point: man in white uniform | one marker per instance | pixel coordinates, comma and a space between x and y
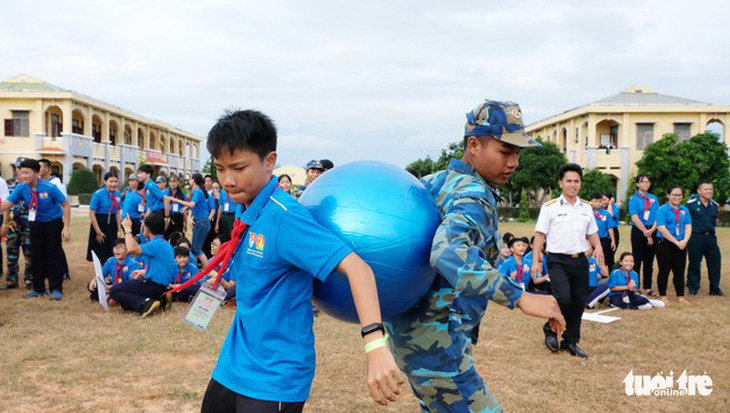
567, 223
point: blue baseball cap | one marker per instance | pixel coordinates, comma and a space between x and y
501, 120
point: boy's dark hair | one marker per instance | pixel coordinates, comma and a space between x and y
182, 252
624, 255
327, 164
597, 195
640, 177
118, 242
109, 175
515, 240
672, 187
183, 240
247, 130
571, 167
45, 162
155, 222
146, 168
220, 238
32, 164
208, 176
174, 238
507, 236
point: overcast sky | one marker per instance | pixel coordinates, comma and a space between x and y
376, 80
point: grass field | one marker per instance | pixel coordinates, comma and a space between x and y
72, 356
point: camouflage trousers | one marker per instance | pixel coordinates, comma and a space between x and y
434, 352
14, 243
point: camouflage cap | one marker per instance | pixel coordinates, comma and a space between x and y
314, 164
502, 120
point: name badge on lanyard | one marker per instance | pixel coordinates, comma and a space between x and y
31, 214
204, 306
646, 215
225, 207
175, 207
140, 207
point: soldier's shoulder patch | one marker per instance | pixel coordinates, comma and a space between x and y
552, 201
584, 201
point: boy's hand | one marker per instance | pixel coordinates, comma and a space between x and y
383, 376
543, 306
127, 223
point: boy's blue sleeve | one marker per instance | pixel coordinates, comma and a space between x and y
304, 243
108, 268
149, 249
506, 267
17, 194
94, 204
633, 209
613, 279
661, 217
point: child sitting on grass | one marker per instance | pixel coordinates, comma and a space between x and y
115, 270
516, 267
623, 283
185, 271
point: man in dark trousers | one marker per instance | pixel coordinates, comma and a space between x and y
704, 241
567, 223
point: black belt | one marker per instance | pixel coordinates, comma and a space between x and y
228, 213
704, 233
576, 255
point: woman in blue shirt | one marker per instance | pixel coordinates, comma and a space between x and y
675, 228
105, 214
643, 208
199, 204
176, 217
132, 205
213, 203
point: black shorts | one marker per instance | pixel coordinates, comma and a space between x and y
220, 399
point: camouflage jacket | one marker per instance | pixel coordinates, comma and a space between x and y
465, 248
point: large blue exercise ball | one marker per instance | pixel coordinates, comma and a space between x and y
388, 218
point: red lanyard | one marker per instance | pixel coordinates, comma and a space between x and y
143, 193
118, 276
677, 217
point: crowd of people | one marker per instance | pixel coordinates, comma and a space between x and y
156, 213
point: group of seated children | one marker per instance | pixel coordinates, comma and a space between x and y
515, 261
144, 267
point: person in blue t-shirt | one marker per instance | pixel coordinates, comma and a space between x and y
267, 360
132, 205
152, 194
143, 292
116, 269
185, 270
504, 252
609, 205
226, 216
105, 215
643, 208
623, 284
200, 206
674, 224
540, 282
606, 227
516, 267
213, 203
597, 280
49, 217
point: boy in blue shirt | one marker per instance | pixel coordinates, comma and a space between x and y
186, 270
267, 360
46, 206
517, 267
597, 280
132, 205
606, 226
152, 196
115, 270
142, 293
643, 207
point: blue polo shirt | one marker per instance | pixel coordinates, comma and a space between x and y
636, 207
50, 199
618, 279
159, 258
510, 267
213, 205
269, 351
615, 217
202, 205
593, 270
131, 204
226, 203
109, 270
101, 202
604, 222
186, 273
175, 208
153, 196
666, 217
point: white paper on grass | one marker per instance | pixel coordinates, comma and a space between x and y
100, 284
599, 318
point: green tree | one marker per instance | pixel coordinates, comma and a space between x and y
524, 208
422, 167
596, 181
83, 181
209, 168
670, 162
537, 174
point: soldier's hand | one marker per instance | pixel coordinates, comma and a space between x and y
383, 376
543, 306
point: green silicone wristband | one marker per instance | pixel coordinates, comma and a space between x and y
377, 343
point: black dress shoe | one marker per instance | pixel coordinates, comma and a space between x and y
573, 349
551, 342
718, 293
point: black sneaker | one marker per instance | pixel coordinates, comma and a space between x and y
718, 293
28, 285
150, 306
11, 285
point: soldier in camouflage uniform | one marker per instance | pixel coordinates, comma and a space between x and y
18, 238
432, 342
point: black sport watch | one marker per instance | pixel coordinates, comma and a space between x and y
371, 328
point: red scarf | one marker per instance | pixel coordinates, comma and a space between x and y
118, 276
628, 281
179, 277
597, 215
222, 258
647, 201
143, 193
520, 273
676, 216
33, 199
115, 204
